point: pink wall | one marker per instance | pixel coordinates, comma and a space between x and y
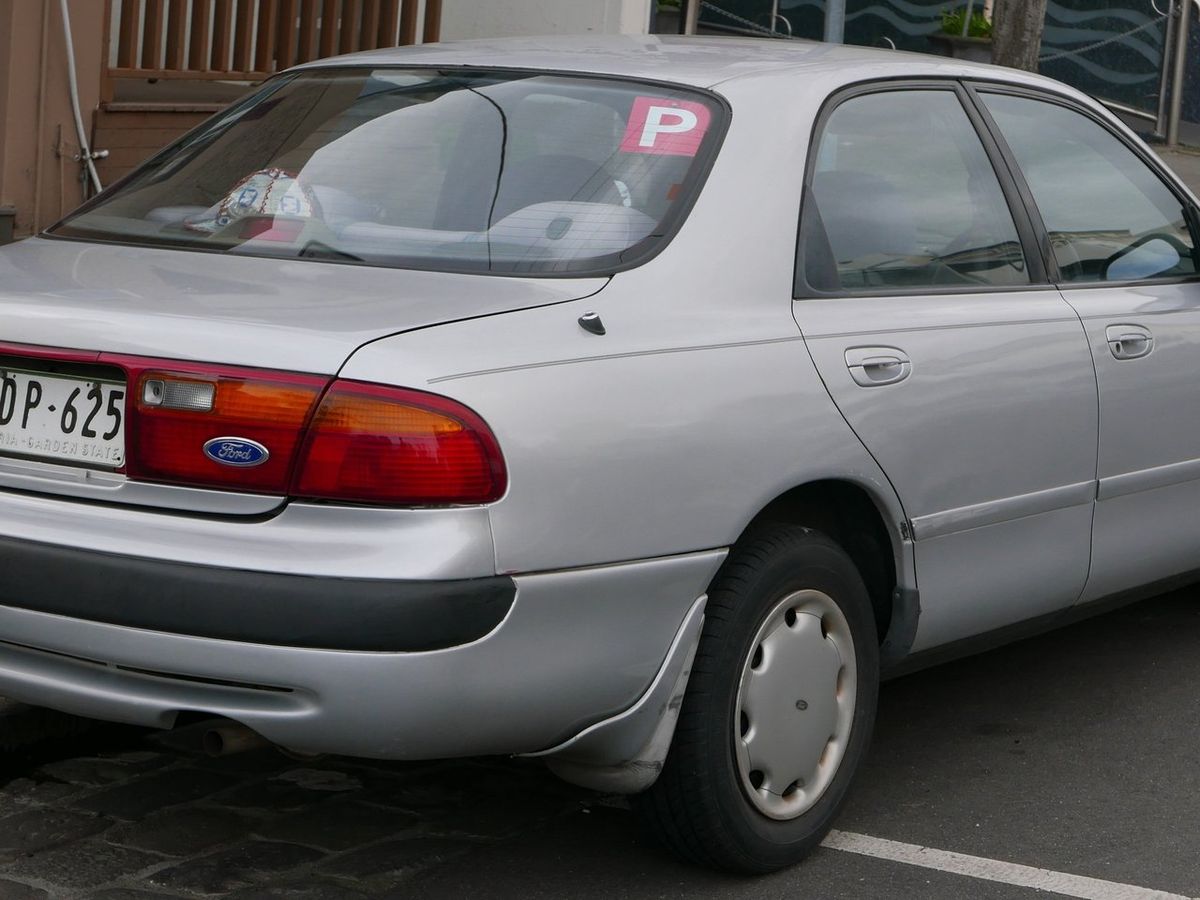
35, 109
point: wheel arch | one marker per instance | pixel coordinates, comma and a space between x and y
843, 509
873, 533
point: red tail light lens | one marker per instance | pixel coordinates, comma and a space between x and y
179, 412
373, 444
265, 431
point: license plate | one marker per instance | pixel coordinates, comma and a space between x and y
72, 420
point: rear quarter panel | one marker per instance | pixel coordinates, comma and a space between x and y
700, 404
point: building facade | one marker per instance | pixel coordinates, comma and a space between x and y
148, 70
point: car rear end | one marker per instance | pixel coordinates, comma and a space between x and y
192, 536
199, 514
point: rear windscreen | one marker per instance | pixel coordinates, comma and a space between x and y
456, 171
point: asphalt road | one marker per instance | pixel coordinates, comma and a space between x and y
1078, 751
1074, 752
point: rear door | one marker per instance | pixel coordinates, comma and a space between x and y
1125, 253
923, 300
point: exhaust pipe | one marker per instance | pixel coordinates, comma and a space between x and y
229, 738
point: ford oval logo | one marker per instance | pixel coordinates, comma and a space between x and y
236, 451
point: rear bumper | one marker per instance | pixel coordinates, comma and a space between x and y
129, 631
326, 612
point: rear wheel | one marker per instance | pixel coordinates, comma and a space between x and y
779, 707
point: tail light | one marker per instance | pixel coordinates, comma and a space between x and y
346, 441
264, 431
179, 412
374, 444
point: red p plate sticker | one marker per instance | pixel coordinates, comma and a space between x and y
665, 126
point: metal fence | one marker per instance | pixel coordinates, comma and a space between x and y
902, 24
1114, 49
1191, 87
1121, 51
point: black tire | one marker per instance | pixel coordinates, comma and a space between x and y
698, 807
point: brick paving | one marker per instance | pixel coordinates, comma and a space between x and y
121, 814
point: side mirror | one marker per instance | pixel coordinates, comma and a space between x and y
1147, 257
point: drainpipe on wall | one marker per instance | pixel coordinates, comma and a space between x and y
85, 151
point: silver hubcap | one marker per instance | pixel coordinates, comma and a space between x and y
795, 704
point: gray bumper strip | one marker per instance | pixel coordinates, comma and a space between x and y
254, 607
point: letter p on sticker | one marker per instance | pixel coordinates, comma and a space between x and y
665, 126
658, 121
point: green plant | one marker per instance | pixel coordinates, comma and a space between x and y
952, 23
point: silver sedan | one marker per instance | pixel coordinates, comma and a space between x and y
628, 403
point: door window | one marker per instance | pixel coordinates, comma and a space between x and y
1109, 216
903, 196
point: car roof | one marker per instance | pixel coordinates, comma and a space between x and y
696, 61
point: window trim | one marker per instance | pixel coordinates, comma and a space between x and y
694, 185
975, 87
1027, 234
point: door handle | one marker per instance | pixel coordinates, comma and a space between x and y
877, 366
1129, 341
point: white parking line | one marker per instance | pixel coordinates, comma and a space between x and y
992, 869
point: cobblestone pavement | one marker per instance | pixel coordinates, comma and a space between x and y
135, 818
1075, 752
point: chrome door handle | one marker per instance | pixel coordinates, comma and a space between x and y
1129, 341
877, 366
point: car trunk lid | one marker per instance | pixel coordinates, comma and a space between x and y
89, 331
297, 315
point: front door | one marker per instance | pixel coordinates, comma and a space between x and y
1127, 263
924, 303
